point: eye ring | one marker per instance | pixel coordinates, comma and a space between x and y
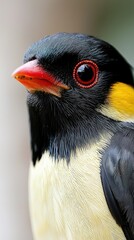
90, 69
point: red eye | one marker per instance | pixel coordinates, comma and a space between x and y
86, 74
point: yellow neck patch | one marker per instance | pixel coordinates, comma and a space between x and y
121, 98
120, 103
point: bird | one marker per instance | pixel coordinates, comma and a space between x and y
80, 98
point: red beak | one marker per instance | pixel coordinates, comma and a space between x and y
35, 78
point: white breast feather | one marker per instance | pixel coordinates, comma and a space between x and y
67, 202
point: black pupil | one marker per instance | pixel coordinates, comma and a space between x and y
85, 72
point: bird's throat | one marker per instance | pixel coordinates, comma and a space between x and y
52, 131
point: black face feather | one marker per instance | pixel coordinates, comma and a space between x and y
60, 125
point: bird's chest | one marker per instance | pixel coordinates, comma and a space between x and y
67, 202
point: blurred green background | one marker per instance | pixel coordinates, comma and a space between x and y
21, 23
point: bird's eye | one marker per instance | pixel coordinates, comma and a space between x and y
86, 74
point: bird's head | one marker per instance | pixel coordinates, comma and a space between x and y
75, 83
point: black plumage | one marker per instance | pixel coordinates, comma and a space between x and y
117, 173
58, 119
61, 125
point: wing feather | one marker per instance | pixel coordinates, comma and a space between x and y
117, 174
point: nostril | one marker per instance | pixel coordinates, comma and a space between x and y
32, 58
29, 59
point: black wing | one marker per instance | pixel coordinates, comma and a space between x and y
117, 174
